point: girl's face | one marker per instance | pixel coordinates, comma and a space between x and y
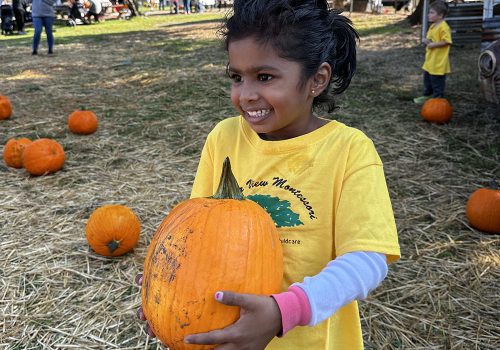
266, 90
433, 16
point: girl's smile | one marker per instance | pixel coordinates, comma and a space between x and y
257, 115
268, 91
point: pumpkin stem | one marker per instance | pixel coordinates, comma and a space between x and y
228, 186
113, 245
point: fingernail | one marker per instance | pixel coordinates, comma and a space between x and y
186, 341
218, 296
138, 279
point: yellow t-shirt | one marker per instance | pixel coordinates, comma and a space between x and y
437, 60
327, 194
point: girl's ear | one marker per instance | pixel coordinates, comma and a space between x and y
321, 78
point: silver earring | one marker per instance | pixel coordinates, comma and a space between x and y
312, 91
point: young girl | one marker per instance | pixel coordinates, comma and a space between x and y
321, 181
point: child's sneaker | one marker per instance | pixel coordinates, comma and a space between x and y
420, 100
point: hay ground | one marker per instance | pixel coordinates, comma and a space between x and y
157, 93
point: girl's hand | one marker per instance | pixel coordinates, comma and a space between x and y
140, 312
259, 323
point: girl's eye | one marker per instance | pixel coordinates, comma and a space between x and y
234, 77
265, 77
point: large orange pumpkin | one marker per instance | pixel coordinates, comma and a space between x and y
5, 107
43, 156
82, 122
113, 230
224, 242
437, 110
483, 210
13, 151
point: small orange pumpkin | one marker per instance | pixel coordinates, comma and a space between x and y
13, 151
437, 110
113, 230
43, 156
224, 242
5, 107
483, 210
82, 122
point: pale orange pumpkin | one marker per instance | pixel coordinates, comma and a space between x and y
5, 107
437, 110
113, 230
82, 122
224, 242
43, 156
13, 151
483, 210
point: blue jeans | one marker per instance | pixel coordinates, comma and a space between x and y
187, 6
434, 85
38, 24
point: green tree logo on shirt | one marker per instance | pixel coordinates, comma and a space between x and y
279, 210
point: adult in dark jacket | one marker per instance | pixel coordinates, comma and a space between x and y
19, 7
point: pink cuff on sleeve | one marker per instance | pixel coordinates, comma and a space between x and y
294, 307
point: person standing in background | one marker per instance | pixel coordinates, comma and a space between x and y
174, 6
437, 50
19, 7
187, 6
161, 5
43, 17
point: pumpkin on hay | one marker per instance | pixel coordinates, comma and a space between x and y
43, 156
224, 242
483, 210
437, 110
5, 107
113, 230
83, 122
13, 151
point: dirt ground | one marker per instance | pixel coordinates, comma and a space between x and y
157, 94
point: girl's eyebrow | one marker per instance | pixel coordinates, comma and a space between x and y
253, 69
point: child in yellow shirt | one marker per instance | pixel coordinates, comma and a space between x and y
321, 181
437, 48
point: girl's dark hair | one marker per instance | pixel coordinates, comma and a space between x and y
306, 32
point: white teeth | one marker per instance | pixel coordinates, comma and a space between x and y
258, 114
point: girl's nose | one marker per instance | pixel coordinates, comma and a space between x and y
248, 92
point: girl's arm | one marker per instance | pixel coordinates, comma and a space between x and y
432, 45
349, 277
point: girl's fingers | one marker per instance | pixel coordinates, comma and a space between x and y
218, 336
138, 279
140, 314
150, 332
